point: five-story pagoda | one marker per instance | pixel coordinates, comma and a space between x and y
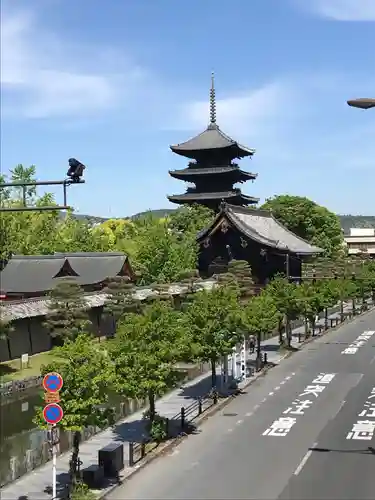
213, 171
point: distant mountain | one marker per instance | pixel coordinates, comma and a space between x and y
162, 212
363, 221
347, 221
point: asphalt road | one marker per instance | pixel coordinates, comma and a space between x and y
235, 456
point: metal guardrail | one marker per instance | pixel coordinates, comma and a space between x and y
186, 415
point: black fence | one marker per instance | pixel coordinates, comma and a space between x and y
178, 425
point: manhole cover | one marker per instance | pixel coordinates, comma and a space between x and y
230, 414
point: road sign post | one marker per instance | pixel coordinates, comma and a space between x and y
53, 414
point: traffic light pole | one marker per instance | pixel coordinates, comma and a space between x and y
24, 208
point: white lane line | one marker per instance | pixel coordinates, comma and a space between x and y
338, 410
282, 383
304, 460
277, 388
264, 399
256, 407
271, 393
373, 359
239, 422
249, 413
288, 377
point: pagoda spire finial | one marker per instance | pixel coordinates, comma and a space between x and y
212, 100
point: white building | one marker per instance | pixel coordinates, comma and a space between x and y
361, 241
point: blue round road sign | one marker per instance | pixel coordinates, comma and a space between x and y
53, 413
52, 382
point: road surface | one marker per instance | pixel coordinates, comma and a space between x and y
246, 451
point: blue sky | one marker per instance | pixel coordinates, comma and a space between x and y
114, 83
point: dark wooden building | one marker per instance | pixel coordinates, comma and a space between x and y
213, 170
255, 236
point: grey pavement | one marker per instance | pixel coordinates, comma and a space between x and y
236, 456
36, 485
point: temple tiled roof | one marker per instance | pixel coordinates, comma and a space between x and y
262, 227
213, 196
40, 273
29, 308
194, 171
210, 139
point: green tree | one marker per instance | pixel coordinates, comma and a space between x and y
120, 297
311, 301
145, 350
24, 174
261, 318
162, 255
67, 310
189, 220
284, 296
214, 322
308, 220
88, 377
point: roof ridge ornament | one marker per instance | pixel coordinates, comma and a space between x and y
213, 101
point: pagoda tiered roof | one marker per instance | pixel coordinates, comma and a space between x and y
235, 196
213, 172
197, 171
213, 138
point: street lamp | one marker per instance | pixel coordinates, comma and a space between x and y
362, 103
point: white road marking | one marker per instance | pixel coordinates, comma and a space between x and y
248, 414
373, 359
239, 422
277, 388
256, 407
264, 399
271, 393
304, 460
288, 377
282, 383
230, 430
338, 410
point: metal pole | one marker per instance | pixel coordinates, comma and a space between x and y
243, 360
287, 266
54, 453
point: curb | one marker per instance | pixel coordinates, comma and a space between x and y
334, 328
165, 448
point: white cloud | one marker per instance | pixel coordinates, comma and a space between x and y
44, 76
300, 119
247, 112
341, 10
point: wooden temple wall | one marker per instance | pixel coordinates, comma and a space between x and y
29, 335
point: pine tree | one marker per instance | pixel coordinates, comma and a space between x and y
67, 310
120, 297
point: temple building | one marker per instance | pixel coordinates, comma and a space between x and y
255, 236
212, 170
238, 231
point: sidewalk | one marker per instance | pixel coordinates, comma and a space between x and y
36, 485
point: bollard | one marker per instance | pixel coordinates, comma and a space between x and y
143, 449
200, 406
131, 454
265, 358
182, 418
215, 397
